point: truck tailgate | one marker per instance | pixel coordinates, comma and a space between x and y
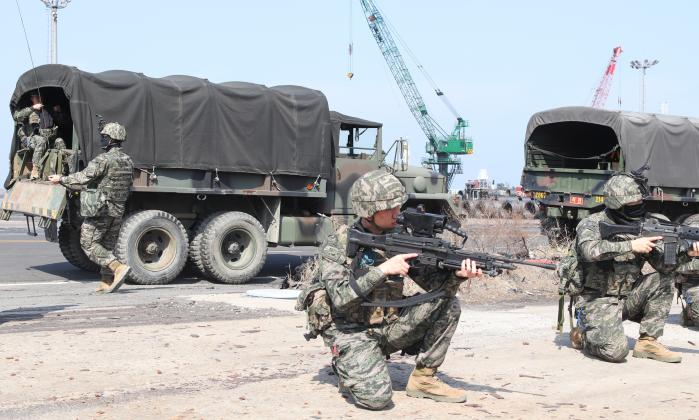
36, 198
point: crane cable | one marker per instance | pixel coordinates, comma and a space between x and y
350, 48
36, 77
439, 92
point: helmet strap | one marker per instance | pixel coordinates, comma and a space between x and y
368, 222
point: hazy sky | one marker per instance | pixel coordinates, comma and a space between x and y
498, 61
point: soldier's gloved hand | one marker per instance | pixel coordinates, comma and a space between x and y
468, 270
644, 245
55, 179
37, 106
694, 252
396, 265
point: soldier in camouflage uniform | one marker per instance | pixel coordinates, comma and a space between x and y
688, 279
36, 143
614, 287
37, 136
108, 178
47, 128
361, 337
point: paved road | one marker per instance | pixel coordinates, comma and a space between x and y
39, 287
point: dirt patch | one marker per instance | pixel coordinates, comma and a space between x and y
519, 238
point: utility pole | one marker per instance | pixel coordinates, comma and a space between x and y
54, 5
635, 64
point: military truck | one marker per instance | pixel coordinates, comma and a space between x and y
570, 153
222, 170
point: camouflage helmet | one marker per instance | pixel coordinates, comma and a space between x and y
34, 118
114, 130
621, 190
376, 191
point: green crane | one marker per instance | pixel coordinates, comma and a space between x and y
442, 147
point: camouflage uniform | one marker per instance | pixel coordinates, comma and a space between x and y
690, 295
37, 144
688, 282
108, 178
614, 287
361, 337
47, 129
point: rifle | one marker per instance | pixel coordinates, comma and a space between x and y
673, 235
420, 229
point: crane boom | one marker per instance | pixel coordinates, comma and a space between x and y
442, 146
602, 91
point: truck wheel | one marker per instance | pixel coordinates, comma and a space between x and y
154, 244
69, 243
195, 259
232, 247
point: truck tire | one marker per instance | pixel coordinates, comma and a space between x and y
154, 244
69, 243
195, 260
232, 247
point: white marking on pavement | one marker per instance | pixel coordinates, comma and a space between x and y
23, 241
37, 283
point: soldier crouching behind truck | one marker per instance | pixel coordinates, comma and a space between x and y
360, 337
108, 178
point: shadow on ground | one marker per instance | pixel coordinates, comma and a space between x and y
28, 314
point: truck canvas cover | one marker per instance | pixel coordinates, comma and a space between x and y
668, 145
192, 123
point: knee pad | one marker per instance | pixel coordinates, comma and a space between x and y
376, 402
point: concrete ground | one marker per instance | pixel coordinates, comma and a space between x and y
194, 349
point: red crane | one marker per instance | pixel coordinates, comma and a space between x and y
602, 90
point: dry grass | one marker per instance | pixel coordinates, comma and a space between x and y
518, 238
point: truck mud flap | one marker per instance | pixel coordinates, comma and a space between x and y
34, 199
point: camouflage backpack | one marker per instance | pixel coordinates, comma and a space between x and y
570, 274
314, 299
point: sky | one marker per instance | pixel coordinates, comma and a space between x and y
498, 62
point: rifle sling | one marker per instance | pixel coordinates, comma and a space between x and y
402, 303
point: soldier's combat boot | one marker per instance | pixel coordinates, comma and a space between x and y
120, 271
34, 174
649, 348
424, 384
105, 282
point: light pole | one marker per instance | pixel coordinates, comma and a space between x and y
54, 5
646, 64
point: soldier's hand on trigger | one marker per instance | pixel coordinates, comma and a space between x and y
694, 252
55, 179
468, 270
37, 107
644, 245
396, 265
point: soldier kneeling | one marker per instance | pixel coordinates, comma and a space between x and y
359, 336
